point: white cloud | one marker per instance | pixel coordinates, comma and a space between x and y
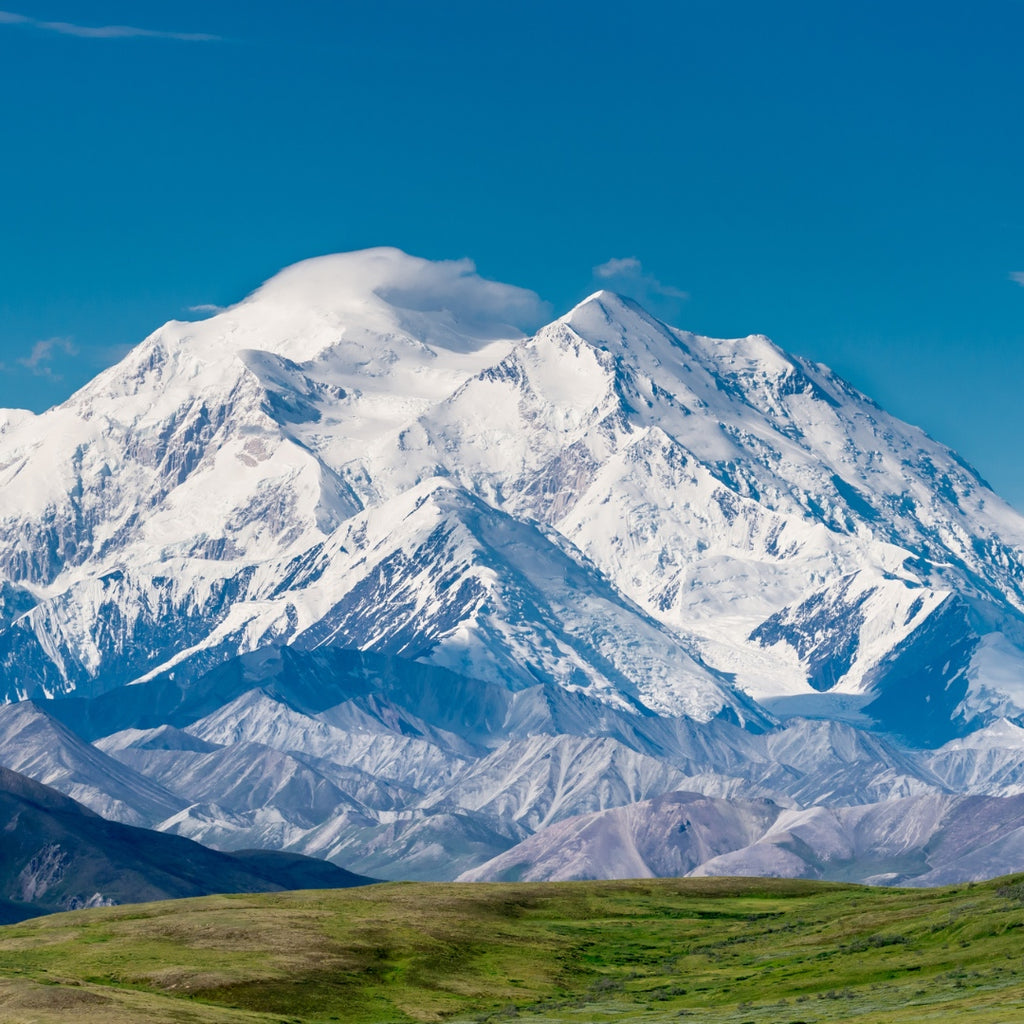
411, 284
455, 285
40, 360
1018, 276
207, 308
630, 265
628, 274
67, 28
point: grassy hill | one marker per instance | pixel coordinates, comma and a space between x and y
708, 950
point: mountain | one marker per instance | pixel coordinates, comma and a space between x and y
621, 506
36, 745
57, 855
401, 770
923, 840
672, 834
359, 567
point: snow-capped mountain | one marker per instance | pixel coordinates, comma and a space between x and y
599, 562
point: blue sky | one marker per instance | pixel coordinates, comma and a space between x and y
846, 178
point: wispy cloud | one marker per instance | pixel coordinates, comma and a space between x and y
40, 360
207, 308
1018, 276
67, 28
628, 272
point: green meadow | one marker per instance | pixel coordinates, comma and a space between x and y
691, 950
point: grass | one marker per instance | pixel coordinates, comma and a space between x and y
710, 951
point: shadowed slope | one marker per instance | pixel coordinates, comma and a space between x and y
57, 855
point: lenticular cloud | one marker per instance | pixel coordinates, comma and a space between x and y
409, 283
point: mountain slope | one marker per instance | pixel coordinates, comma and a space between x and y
418, 773
35, 744
923, 840
808, 539
56, 855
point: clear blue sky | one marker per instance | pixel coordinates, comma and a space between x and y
847, 178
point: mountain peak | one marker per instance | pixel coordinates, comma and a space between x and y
603, 296
609, 307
